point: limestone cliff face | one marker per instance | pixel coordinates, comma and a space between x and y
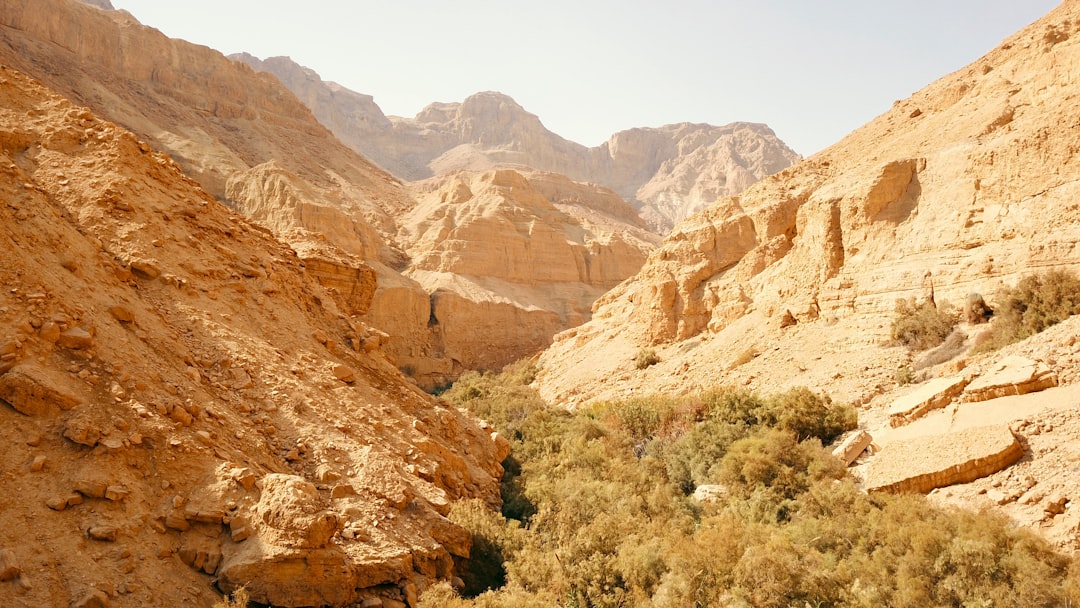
667, 172
182, 406
512, 258
960, 188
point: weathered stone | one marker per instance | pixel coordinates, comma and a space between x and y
1055, 504
9, 565
94, 598
50, 332
342, 491
117, 493
1013, 375
392, 603
76, 338
852, 446
924, 463
102, 533
38, 464
82, 431
345, 374
934, 394
122, 313
145, 268
91, 488
175, 520
37, 391
326, 474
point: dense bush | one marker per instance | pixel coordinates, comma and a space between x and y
1037, 302
611, 523
646, 357
921, 326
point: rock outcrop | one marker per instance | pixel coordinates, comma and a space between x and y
668, 172
181, 403
924, 463
963, 187
1011, 376
510, 259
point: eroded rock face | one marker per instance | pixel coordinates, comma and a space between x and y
918, 202
197, 425
668, 172
1011, 376
924, 463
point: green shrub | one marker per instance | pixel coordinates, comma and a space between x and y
610, 525
921, 326
1037, 302
646, 357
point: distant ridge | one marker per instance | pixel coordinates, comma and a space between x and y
667, 172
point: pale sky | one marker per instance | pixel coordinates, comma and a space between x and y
813, 70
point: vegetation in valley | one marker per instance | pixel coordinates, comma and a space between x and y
1037, 302
598, 512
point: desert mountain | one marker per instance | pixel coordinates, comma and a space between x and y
667, 172
960, 188
252, 144
181, 404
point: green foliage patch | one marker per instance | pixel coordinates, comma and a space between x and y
610, 522
1037, 302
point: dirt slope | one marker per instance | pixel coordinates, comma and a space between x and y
181, 404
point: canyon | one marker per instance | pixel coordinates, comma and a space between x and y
231, 286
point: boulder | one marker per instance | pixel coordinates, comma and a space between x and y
852, 446
37, 391
922, 464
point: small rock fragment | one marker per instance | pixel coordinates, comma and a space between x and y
116, 493
122, 314
342, 490
9, 565
76, 338
91, 489
1055, 504
102, 533
344, 374
38, 464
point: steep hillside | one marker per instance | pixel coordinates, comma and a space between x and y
181, 405
251, 143
667, 172
960, 188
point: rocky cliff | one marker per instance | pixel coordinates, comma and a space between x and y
251, 143
667, 172
181, 405
511, 258
960, 188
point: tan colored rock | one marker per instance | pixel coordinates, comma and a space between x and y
710, 493
9, 565
924, 463
122, 313
75, 338
102, 533
344, 373
852, 446
931, 395
1013, 375
37, 391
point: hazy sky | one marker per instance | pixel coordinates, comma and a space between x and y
814, 70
